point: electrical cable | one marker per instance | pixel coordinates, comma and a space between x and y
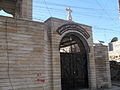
105, 11
40, 8
63, 5
47, 8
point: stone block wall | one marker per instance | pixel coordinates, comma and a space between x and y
26, 9
30, 56
53, 24
17, 8
23, 55
102, 66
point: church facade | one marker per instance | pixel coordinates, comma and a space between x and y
52, 55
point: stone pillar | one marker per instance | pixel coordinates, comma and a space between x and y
26, 9
17, 8
91, 70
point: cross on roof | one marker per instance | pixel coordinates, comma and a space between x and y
69, 16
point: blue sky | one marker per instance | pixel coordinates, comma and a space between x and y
102, 15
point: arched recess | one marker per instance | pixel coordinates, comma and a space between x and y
76, 30
74, 51
81, 39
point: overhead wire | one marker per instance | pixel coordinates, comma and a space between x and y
38, 8
60, 11
105, 11
47, 8
64, 5
50, 8
54, 10
100, 18
105, 29
107, 15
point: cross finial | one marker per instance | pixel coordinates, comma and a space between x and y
69, 16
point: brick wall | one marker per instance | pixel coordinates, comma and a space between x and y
102, 66
54, 24
22, 55
26, 9
30, 56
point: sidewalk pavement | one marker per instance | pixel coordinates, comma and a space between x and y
113, 88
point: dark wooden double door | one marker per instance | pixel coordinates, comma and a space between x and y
74, 73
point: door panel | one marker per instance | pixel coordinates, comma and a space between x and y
66, 69
74, 71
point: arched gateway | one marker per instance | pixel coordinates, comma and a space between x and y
74, 73
54, 55
74, 51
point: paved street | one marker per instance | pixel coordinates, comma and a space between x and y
113, 88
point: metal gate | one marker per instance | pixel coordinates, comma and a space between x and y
74, 73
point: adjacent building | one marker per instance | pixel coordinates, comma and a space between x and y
114, 51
